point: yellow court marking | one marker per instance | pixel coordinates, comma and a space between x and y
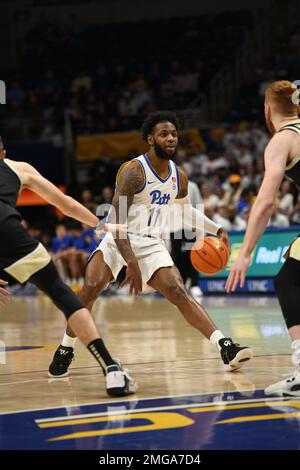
244, 419
50, 347
293, 404
157, 421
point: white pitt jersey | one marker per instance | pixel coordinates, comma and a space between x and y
149, 212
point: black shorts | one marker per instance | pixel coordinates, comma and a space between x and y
20, 254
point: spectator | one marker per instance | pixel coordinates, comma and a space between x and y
221, 216
277, 219
247, 198
83, 82
88, 200
286, 198
233, 193
237, 222
209, 199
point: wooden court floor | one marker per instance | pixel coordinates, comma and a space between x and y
165, 355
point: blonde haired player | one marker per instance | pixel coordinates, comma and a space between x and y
282, 157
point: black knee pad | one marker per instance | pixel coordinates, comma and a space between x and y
281, 281
49, 281
287, 287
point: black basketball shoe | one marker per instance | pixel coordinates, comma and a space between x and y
233, 355
62, 359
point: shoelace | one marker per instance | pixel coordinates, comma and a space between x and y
126, 373
233, 344
66, 357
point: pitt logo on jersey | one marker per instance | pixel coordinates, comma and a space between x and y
157, 198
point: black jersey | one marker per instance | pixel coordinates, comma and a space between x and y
10, 185
293, 169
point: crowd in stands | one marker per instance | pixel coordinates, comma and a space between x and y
230, 174
83, 73
281, 65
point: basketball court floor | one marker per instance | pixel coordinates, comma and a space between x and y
185, 399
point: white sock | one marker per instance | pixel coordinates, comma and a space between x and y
296, 352
215, 337
68, 341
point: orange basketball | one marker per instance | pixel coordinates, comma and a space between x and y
209, 255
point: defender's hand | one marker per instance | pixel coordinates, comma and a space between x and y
114, 228
237, 273
133, 277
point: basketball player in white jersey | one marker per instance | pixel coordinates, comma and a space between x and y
22, 258
282, 157
149, 185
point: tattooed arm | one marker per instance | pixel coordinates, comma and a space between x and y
129, 181
183, 184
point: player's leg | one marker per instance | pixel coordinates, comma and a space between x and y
168, 281
81, 322
97, 277
287, 286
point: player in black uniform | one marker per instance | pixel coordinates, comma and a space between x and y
23, 258
282, 157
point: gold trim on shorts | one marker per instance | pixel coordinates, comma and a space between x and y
25, 267
293, 250
293, 163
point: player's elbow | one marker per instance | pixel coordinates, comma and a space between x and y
266, 204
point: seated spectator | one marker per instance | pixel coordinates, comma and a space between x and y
77, 255
60, 247
245, 156
277, 219
214, 163
295, 215
82, 82
237, 222
248, 176
16, 93
233, 193
208, 197
88, 201
286, 198
220, 217
247, 198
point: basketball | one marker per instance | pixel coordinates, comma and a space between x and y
209, 255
